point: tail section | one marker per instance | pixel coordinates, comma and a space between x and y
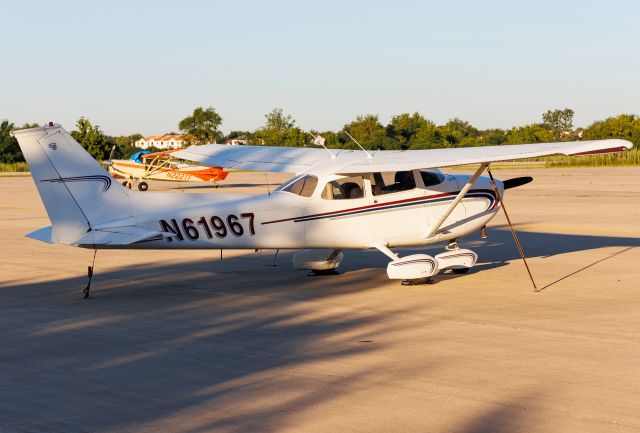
78, 194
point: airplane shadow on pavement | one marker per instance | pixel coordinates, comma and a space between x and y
232, 345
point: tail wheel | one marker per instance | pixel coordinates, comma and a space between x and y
143, 186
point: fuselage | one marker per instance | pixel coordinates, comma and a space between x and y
286, 219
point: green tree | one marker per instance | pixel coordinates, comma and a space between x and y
92, 139
9, 149
333, 139
126, 140
202, 126
534, 133
403, 127
280, 130
457, 132
428, 136
492, 137
625, 126
558, 122
278, 121
369, 132
124, 145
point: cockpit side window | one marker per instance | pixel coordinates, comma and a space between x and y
344, 189
303, 187
431, 178
392, 181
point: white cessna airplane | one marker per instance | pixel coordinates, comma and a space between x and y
337, 200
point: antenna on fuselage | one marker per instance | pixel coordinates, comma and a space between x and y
318, 140
354, 140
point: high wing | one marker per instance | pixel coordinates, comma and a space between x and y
433, 158
301, 159
259, 158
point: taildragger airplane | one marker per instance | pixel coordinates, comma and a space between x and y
337, 200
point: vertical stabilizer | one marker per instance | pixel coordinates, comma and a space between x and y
76, 190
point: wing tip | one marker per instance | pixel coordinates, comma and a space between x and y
612, 145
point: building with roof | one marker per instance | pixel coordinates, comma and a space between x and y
164, 142
241, 139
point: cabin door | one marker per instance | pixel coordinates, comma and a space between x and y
339, 217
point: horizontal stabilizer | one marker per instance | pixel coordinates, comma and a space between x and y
119, 236
42, 235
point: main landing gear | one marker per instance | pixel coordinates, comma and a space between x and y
413, 270
318, 262
420, 268
131, 182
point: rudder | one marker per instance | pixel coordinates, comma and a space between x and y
76, 190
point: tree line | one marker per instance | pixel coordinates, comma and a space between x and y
404, 131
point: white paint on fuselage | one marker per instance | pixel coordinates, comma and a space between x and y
396, 219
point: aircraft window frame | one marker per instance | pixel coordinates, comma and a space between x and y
337, 185
305, 189
377, 178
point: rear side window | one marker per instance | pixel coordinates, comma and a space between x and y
303, 187
392, 181
431, 178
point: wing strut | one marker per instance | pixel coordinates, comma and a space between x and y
458, 198
513, 232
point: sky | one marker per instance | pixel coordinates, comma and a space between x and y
142, 66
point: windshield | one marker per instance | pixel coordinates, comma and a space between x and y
302, 186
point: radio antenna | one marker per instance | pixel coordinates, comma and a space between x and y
354, 140
319, 140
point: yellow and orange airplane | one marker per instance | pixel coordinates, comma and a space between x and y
143, 166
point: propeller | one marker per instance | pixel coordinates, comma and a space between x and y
516, 182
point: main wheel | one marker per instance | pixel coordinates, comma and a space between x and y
460, 270
143, 186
